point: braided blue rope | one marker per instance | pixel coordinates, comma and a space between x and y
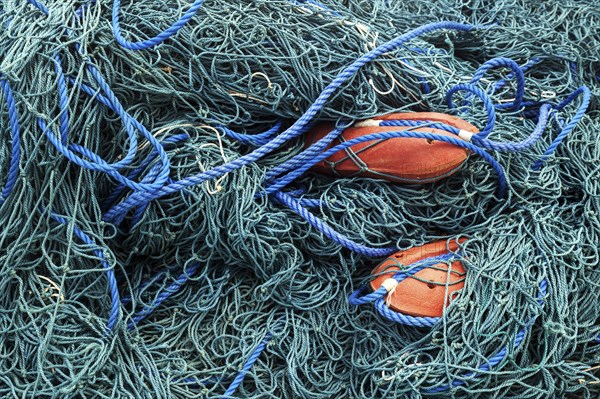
329, 232
15, 135
131, 123
39, 6
161, 37
420, 124
163, 296
401, 318
112, 197
253, 139
248, 365
119, 211
543, 117
487, 102
517, 73
139, 212
501, 354
304, 156
135, 173
63, 99
585, 102
114, 313
358, 297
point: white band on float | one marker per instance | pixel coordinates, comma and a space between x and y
389, 284
367, 123
465, 135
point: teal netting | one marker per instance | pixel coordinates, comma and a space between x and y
117, 282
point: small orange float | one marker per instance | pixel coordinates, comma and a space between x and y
403, 160
424, 293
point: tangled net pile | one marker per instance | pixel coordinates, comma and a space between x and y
147, 249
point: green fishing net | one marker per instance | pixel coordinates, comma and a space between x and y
186, 293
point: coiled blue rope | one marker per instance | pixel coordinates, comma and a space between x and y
517, 74
15, 135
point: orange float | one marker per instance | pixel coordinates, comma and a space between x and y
424, 293
403, 160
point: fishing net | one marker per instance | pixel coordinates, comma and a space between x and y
163, 237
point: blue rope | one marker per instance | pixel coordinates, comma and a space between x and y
15, 135
118, 212
305, 156
501, 354
114, 313
329, 232
39, 6
517, 73
161, 37
247, 366
585, 102
112, 197
253, 139
543, 117
63, 100
164, 295
94, 161
487, 102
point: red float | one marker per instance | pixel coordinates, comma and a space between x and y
403, 160
424, 293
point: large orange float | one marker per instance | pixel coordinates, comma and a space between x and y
403, 160
427, 292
